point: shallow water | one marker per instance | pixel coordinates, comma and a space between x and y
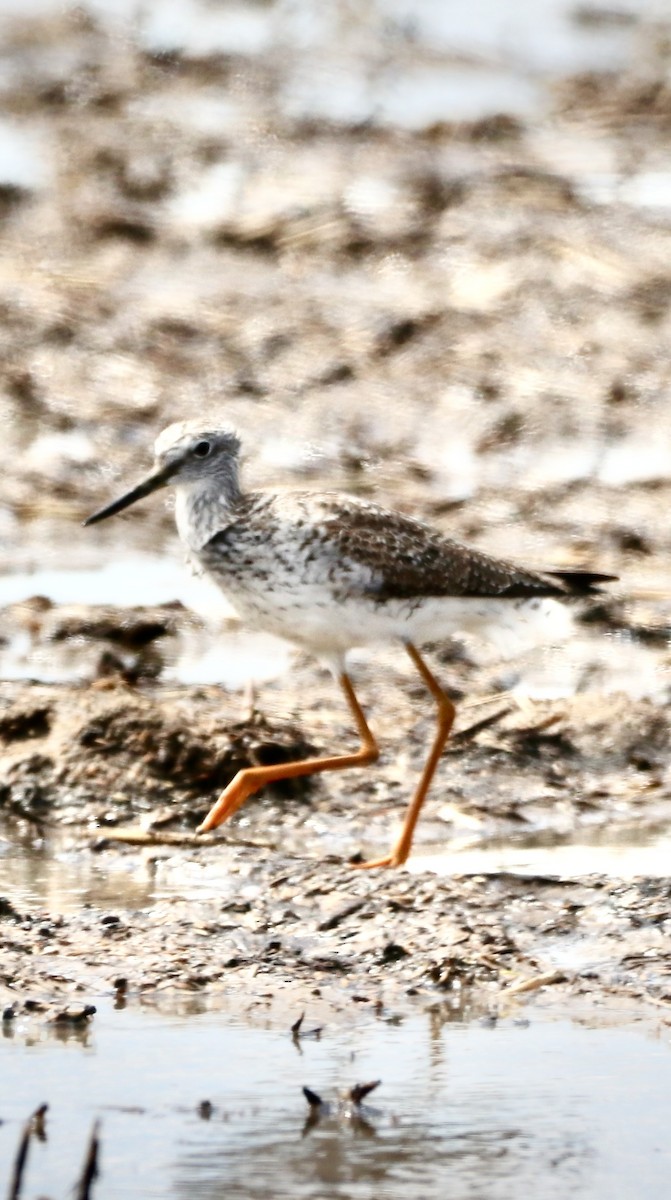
490, 1108
58, 875
624, 852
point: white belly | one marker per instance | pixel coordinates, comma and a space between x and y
310, 617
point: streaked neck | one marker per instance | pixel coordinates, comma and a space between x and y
203, 508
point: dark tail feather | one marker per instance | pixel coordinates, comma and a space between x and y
582, 583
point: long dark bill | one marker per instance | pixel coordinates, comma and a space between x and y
152, 484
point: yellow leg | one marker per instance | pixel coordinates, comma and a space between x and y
252, 779
446, 715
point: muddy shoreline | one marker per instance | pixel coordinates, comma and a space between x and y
465, 315
273, 904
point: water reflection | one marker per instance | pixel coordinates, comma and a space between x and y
201, 1104
59, 876
500, 1111
625, 852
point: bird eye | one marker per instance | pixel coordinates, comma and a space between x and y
202, 449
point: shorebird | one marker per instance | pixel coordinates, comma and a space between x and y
330, 572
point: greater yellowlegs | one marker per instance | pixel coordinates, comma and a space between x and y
331, 572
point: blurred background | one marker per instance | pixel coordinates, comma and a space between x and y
414, 249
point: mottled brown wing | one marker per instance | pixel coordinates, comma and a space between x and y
407, 559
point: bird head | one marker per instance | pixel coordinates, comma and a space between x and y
184, 453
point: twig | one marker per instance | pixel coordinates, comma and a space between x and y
90, 1171
312, 1098
145, 837
535, 982
34, 1122
361, 1090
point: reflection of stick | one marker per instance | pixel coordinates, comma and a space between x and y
34, 1125
90, 1172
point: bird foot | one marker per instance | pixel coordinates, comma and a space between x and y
227, 805
395, 859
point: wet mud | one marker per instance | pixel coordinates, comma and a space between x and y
274, 900
467, 318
